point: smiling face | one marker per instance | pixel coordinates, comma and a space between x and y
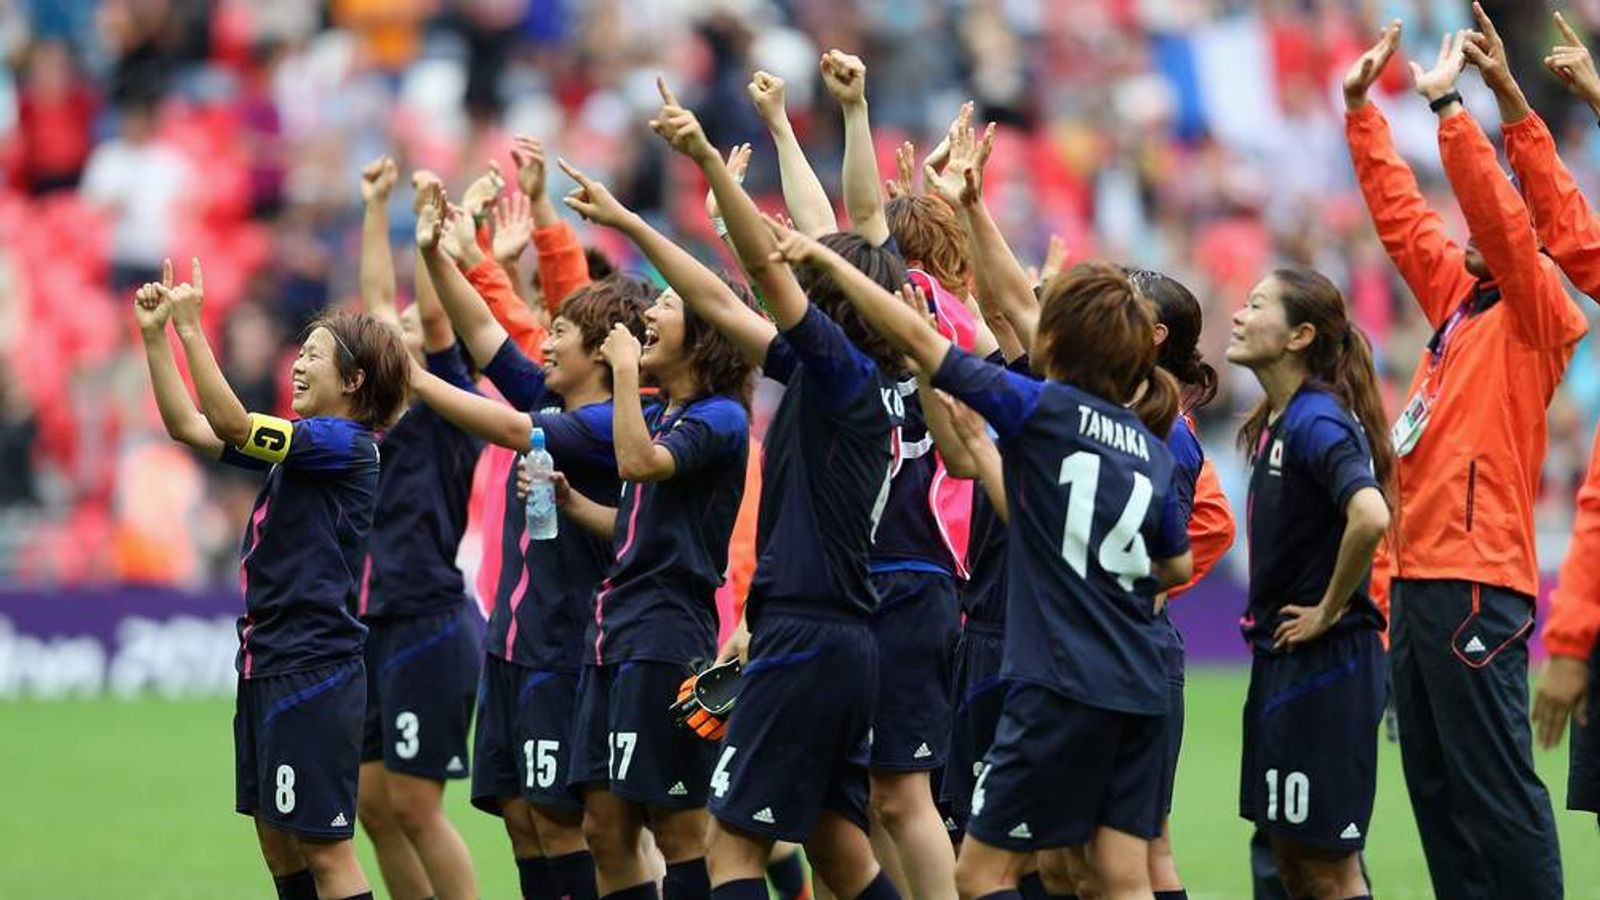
319, 390
566, 363
664, 332
1261, 332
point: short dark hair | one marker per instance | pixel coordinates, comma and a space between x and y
375, 350
719, 363
881, 265
595, 307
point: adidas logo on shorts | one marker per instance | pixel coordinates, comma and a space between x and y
1022, 832
677, 790
922, 752
764, 815
1476, 645
339, 821
455, 765
1350, 833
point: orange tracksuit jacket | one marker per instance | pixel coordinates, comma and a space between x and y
1571, 235
1211, 528
1467, 489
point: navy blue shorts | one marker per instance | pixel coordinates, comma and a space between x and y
1172, 731
624, 739
523, 743
980, 695
422, 674
797, 741
1059, 770
297, 749
1583, 759
1310, 763
916, 626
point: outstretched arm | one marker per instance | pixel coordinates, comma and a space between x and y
802, 192
846, 78
183, 421
473, 413
698, 286
228, 418
470, 316
968, 428
377, 259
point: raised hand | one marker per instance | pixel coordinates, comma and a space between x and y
592, 200
679, 127
738, 164
513, 226
961, 182
1055, 259
430, 206
151, 309
621, 348
483, 191
1366, 69
767, 93
528, 154
794, 247
905, 180
185, 298
1441, 79
1571, 62
378, 179
421, 180
1485, 50
845, 77
459, 238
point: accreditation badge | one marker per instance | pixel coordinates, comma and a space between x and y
1408, 428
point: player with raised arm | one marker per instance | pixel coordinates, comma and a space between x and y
424, 639
811, 654
544, 598
1320, 460
302, 684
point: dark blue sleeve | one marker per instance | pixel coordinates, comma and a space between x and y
1001, 396
580, 437
1022, 365
326, 444
840, 370
1187, 458
451, 367
1337, 458
233, 457
1171, 537
780, 362
709, 433
517, 378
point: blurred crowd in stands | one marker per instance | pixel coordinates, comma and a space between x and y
1200, 137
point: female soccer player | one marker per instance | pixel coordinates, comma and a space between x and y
424, 641
812, 655
1090, 695
302, 684
1320, 452
536, 642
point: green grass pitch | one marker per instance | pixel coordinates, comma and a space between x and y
133, 799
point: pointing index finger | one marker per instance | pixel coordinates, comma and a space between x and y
573, 173
667, 96
196, 279
1566, 31
1485, 23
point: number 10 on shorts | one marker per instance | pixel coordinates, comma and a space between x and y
1296, 797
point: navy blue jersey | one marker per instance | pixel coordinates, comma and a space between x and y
983, 596
658, 602
546, 589
825, 478
908, 534
1090, 492
1306, 467
422, 508
1187, 458
303, 549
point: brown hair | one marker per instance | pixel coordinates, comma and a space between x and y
719, 366
1177, 309
879, 264
598, 305
1339, 361
1097, 334
376, 351
930, 238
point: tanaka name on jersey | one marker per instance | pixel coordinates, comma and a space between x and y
1112, 433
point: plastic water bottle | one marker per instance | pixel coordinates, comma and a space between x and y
542, 491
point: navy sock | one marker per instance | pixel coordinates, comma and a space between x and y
646, 891
882, 888
788, 876
533, 876
1179, 894
743, 889
687, 880
1012, 894
572, 876
299, 886
1031, 887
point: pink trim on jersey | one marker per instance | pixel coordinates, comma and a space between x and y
257, 520
517, 595
950, 499
605, 586
489, 485
366, 586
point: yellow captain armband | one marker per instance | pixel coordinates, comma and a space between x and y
269, 438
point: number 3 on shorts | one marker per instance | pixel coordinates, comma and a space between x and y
285, 795
622, 744
719, 776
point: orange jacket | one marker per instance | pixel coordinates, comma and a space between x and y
562, 266
525, 327
1211, 527
1570, 233
1467, 489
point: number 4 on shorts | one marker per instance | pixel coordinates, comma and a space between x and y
719, 776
